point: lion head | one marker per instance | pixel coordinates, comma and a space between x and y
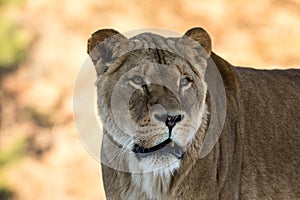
151, 94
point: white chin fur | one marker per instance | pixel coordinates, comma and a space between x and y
157, 164
161, 168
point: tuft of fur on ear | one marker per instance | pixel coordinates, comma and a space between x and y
199, 35
100, 48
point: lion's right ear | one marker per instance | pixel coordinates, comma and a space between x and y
101, 46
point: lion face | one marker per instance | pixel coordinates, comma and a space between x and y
150, 99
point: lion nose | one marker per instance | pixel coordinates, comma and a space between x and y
169, 120
172, 120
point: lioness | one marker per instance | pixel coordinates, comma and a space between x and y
153, 146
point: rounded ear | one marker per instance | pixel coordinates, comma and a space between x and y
199, 35
98, 37
101, 46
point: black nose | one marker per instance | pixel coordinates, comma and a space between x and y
170, 120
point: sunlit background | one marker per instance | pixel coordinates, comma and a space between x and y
43, 44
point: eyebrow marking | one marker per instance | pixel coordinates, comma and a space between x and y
180, 69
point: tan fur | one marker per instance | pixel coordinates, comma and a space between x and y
257, 154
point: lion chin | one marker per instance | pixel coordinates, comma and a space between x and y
162, 158
157, 163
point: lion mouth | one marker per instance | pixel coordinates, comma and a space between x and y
167, 146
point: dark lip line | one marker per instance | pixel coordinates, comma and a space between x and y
139, 149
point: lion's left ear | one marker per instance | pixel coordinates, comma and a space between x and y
199, 35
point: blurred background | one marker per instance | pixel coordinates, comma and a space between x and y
43, 44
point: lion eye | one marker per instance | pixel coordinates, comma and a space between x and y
185, 81
138, 80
